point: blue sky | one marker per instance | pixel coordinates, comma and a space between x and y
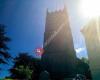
25, 21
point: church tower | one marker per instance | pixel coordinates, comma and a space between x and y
59, 56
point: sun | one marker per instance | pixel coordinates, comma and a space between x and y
89, 8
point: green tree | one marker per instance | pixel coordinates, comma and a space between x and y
4, 39
85, 60
83, 68
24, 67
24, 72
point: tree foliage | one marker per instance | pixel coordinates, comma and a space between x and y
25, 66
23, 72
85, 60
83, 68
4, 39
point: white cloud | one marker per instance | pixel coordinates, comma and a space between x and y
78, 50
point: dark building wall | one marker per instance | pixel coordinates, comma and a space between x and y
63, 39
59, 56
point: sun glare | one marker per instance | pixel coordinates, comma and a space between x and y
89, 8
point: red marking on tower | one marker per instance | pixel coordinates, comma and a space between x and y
39, 51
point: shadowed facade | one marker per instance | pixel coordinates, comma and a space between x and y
59, 57
91, 33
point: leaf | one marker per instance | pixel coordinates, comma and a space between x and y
5, 54
2, 61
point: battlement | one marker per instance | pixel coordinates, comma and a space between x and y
56, 18
57, 12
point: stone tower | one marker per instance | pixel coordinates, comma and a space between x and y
59, 57
91, 33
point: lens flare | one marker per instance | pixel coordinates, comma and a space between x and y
90, 8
